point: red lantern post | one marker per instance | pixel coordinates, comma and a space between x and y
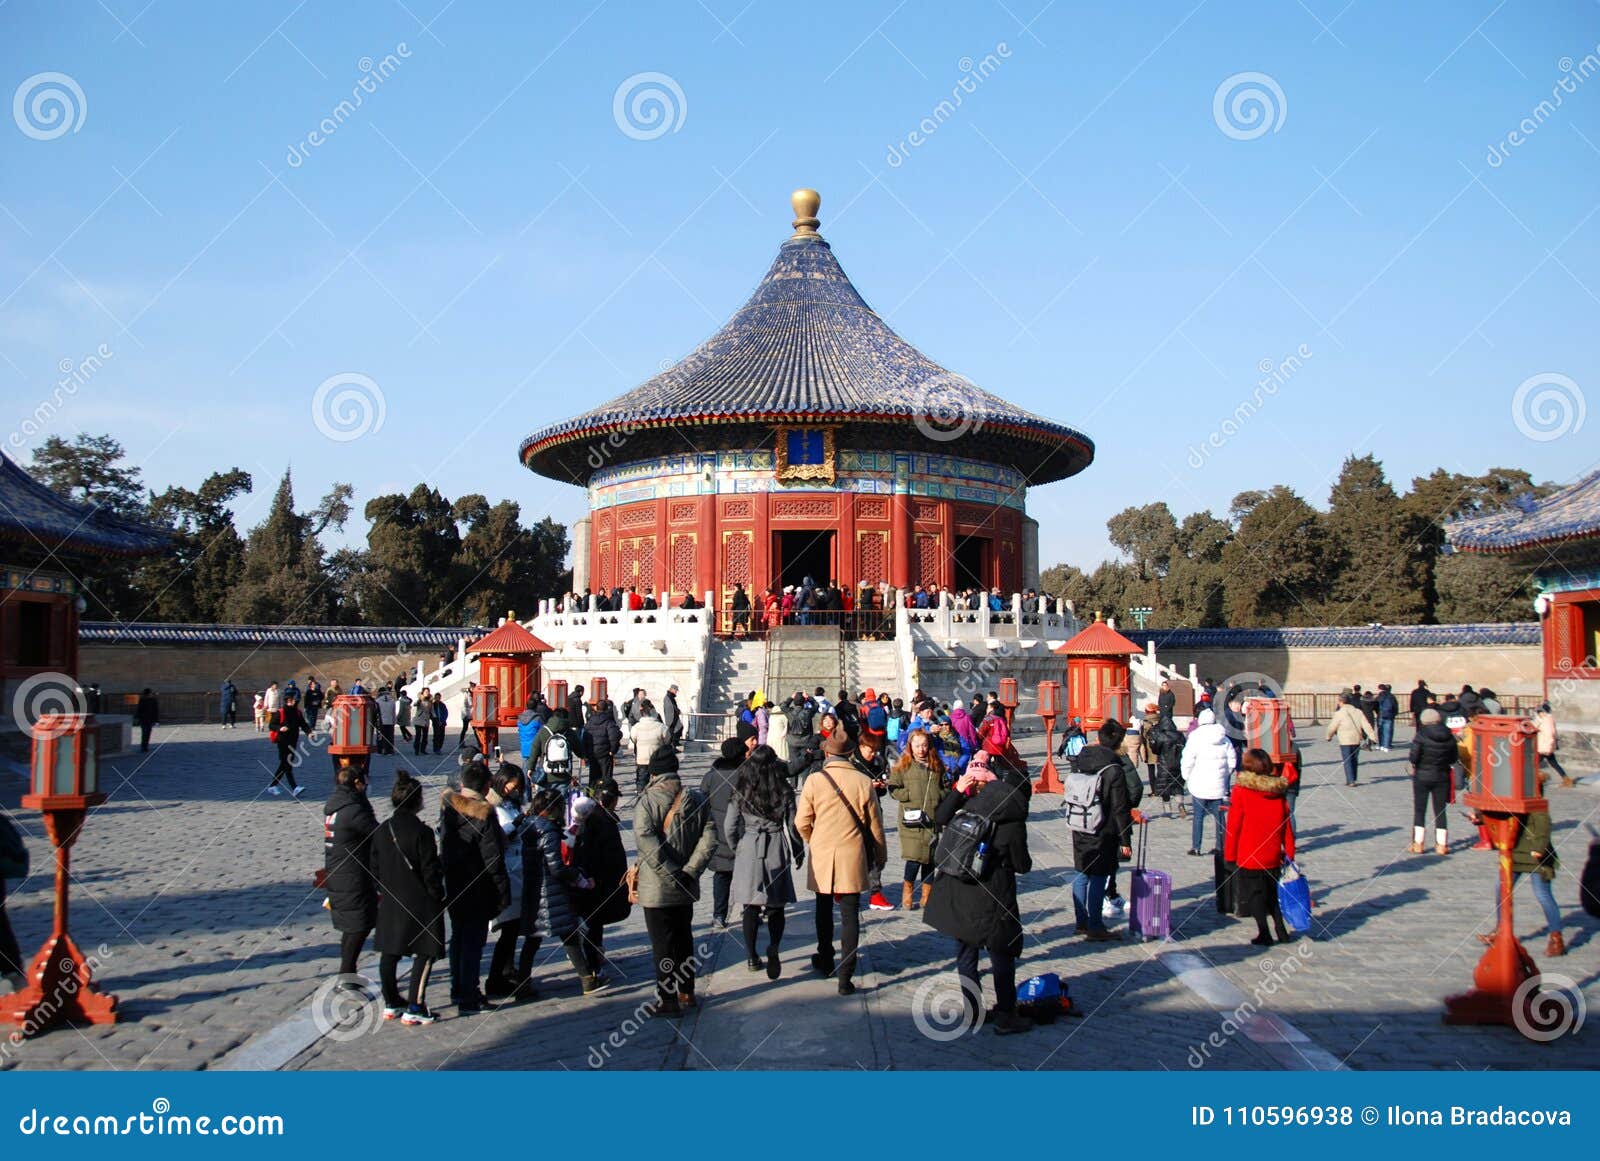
508, 659
1049, 780
65, 784
598, 688
1008, 699
350, 731
486, 716
1503, 789
556, 694
1267, 726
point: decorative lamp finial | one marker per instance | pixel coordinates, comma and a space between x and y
806, 203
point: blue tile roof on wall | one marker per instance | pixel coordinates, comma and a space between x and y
806, 347
1573, 513
30, 512
110, 632
1392, 636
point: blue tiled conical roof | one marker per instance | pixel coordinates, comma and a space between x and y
806, 347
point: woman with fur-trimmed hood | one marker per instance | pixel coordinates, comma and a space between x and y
1259, 838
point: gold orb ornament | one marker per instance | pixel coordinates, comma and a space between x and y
806, 202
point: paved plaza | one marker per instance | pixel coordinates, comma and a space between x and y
198, 888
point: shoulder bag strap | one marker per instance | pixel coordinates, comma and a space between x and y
866, 831
672, 813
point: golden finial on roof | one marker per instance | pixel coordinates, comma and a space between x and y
806, 202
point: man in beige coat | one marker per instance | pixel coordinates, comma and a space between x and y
1348, 724
838, 817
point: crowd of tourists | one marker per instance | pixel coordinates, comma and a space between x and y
528, 845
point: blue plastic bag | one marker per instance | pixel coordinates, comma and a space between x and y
1294, 898
1042, 990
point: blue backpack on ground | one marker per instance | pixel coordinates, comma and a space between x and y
1043, 998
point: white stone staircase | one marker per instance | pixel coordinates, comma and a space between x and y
874, 665
734, 668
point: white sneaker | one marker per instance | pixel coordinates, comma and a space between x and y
298, 791
274, 791
1112, 909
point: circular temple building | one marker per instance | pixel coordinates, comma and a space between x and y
806, 438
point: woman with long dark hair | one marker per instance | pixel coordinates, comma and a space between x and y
410, 881
760, 827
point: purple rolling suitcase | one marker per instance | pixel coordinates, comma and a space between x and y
1150, 917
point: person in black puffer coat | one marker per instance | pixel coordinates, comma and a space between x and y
984, 915
1095, 855
347, 826
599, 853
1434, 753
472, 848
548, 886
1167, 783
410, 881
718, 786
603, 737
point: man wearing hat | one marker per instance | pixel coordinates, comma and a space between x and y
676, 838
838, 816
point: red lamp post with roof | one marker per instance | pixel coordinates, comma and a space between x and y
350, 731
64, 786
1503, 789
1098, 675
508, 659
1007, 693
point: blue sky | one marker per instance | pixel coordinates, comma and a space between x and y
1083, 235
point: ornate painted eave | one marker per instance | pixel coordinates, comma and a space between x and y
365, 637
34, 516
807, 348
1571, 514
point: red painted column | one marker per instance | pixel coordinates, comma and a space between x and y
845, 574
761, 577
900, 541
947, 544
708, 549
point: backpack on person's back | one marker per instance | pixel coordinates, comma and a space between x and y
1080, 802
962, 850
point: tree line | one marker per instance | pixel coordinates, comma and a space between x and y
1373, 556
427, 560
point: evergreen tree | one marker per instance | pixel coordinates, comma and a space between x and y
283, 581
192, 581
1375, 552
1195, 587
1275, 562
90, 470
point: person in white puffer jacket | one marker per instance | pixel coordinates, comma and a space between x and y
1208, 761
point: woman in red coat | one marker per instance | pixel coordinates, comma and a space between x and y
1259, 839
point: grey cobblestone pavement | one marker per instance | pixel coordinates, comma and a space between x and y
199, 887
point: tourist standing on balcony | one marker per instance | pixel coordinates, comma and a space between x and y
676, 838
1349, 725
759, 825
838, 816
739, 606
1208, 760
